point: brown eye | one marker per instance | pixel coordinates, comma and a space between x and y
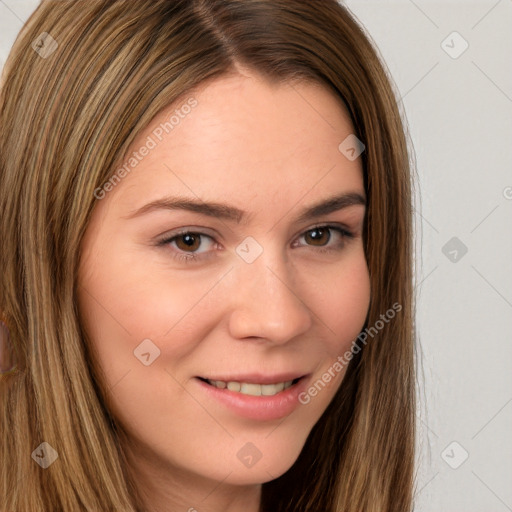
188, 242
318, 236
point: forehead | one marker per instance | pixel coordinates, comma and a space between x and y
246, 141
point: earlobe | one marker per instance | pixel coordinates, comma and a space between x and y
7, 362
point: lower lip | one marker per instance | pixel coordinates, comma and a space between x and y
262, 408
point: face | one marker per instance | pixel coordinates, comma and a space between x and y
224, 274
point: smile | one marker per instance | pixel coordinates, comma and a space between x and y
252, 389
255, 396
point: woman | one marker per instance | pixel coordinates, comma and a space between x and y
205, 214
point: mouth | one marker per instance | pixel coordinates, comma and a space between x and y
253, 388
256, 397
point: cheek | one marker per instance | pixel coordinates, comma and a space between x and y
132, 318
343, 301
343, 307
123, 303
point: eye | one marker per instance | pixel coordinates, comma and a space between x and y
186, 245
318, 236
188, 241
192, 246
321, 236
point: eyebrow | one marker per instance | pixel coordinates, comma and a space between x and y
233, 214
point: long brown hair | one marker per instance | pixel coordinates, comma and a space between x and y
69, 109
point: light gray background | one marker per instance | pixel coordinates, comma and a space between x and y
459, 112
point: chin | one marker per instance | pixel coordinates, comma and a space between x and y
260, 461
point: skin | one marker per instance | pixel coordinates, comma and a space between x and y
270, 150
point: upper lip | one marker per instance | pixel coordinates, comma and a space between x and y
257, 378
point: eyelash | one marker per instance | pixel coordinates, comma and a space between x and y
194, 258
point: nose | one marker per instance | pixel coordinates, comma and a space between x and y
266, 304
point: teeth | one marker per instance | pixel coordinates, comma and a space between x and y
250, 389
234, 386
247, 388
271, 389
